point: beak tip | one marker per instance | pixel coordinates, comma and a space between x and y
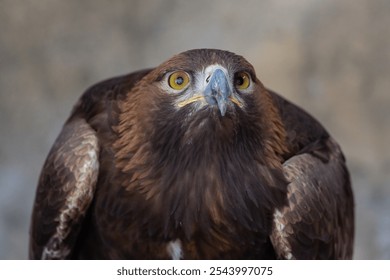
222, 106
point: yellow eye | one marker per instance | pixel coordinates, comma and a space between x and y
178, 80
242, 81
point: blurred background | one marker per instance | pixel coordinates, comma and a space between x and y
331, 57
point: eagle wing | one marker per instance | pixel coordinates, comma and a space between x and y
318, 220
65, 191
70, 173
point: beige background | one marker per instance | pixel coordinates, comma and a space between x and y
330, 57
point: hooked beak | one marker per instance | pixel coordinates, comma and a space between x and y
217, 91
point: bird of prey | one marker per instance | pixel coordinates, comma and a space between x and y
194, 159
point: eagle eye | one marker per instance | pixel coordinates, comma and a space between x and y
242, 80
178, 80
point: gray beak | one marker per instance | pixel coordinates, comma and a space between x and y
217, 91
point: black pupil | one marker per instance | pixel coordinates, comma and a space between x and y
240, 80
179, 80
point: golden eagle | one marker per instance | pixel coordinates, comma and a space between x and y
194, 159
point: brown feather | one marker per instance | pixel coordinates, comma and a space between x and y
65, 191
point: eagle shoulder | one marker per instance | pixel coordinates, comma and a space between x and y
70, 173
65, 191
318, 220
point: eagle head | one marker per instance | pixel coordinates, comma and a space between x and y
207, 80
201, 93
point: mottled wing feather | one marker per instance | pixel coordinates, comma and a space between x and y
65, 191
318, 221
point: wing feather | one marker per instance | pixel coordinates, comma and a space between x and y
65, 191
318, 221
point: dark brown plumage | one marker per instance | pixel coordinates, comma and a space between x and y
194, 159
